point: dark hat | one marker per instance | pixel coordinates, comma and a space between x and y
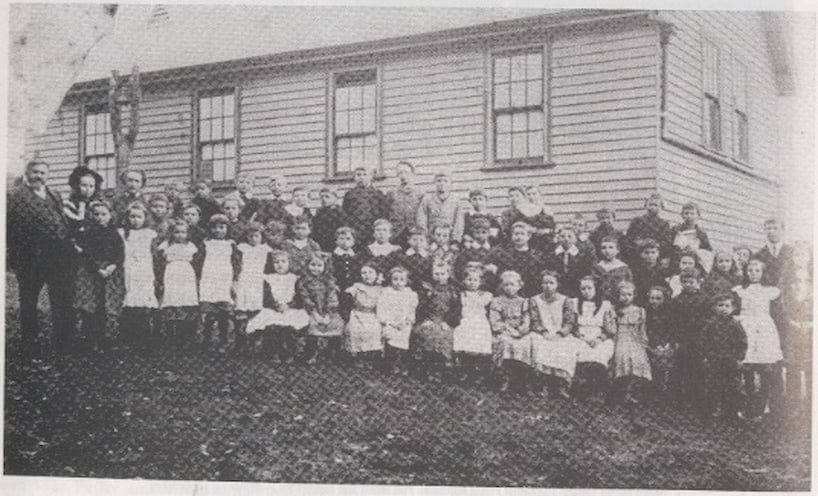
80, 172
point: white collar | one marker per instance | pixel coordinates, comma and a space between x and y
411, 251
300, 243
341, 252
573, 251
485, 245
381, 249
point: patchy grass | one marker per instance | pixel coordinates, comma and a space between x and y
174, 415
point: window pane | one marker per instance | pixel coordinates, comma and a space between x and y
218, 152
341, 98
370, 141
501, 69
534, 120
355, 117
534, 93
518, 68
204, 130
229, 150
341, 123
535, 144
518, 94
109, 143
89, 124
216, 111
369, 96
342, 160
204, 108
519, 122
228, 104
501, 96
369, 120
89, 144
356, 156
534, 65
216, 130
207, 152
106, 122
228, 127
503, 148
230, 168
518, 145
371, 156
218, 170
355, 97
504, 123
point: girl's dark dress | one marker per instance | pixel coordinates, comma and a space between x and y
101, 247
438, 313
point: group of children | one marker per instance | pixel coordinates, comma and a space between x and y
514, 302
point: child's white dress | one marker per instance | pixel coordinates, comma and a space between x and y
363, 328
473, 335
282, 289
139, 276
180, 278
250, 287
217, 271
589, 328
551, 353
396, 313
763, 342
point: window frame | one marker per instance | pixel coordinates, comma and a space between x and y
712, 97
196, 146
741, 114
331, 166
95, 109
490, 119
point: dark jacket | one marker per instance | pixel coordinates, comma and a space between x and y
363, 207
722, 339
37, 233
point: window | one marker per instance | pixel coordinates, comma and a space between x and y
517, 110
217, 136
712, 103
355, 121
98, 151
741, 143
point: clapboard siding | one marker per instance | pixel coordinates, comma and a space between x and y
739, 35
58, 145
164, 143
734, 199
733, 205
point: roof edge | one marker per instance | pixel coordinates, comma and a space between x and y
565, 18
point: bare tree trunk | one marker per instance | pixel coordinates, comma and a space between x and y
124, 93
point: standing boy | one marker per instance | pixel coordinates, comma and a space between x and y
364, 204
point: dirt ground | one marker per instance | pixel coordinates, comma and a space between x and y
190, 415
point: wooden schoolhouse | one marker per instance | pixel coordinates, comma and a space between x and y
599, 107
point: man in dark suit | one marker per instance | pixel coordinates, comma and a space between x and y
39, 252
776, 254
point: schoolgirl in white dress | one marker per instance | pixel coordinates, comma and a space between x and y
140, 302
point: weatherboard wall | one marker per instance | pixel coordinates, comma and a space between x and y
735, 196
603, 99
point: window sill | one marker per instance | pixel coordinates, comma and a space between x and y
517, 165
349, 178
